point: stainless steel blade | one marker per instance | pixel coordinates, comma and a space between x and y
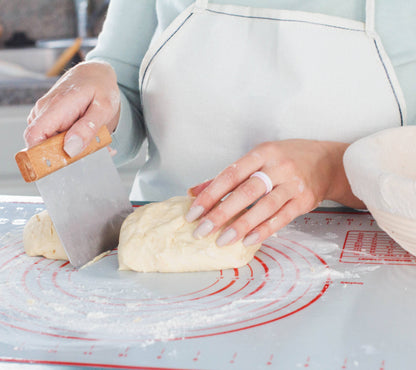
87, 203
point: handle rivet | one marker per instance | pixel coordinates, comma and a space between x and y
97, 139
48, 163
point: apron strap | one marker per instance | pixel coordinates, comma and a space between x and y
369, 13
370, 16
202, 4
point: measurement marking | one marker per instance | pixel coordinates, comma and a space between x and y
159, 357
382, 367
196, 358
352, 282
125, 353
90, 352
307, 362
372, 247
54, 349
270, 362
344, 366
234, 357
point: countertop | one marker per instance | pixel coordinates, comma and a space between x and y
21, 91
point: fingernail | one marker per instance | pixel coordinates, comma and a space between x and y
203, 230
226, 237
251, 239
73, 146
194, 213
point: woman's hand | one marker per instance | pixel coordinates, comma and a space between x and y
82, 100
302, 172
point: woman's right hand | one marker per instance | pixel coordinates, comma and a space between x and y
81, 101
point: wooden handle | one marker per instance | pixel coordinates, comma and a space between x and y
49, 156
64, 58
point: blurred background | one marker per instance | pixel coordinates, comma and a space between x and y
39, 41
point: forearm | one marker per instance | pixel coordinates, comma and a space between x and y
127, 32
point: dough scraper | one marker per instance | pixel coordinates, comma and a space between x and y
84, 195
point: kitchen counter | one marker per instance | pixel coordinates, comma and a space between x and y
22, 91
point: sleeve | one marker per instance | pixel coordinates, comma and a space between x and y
123, 41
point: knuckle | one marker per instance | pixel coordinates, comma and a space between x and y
206, 199
248, 190
243, 225
80, 67
229, 176
219, 215
273, 201
289, 165
268, 147
40, 103
30, 117
269, 227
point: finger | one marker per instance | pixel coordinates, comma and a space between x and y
56, 116
265, 208
224, 183
196, 190
31, 116
243, 196
280, 219
83, 131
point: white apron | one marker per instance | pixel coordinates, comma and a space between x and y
221, 79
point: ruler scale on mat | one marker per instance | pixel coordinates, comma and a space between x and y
84, 195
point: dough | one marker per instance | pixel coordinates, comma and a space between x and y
40, 238
156, 237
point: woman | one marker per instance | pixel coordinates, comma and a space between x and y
273, 96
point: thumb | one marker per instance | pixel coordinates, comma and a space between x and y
85, 129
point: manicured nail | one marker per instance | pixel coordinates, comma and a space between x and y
203, 230
73, 146
226, 237
251, 239
194, 213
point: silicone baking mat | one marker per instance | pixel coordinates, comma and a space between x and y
330, 291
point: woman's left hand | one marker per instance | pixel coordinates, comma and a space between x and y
302, 174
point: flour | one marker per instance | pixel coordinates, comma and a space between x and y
96, 315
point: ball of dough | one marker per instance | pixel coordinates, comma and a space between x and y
156, 237
40, 238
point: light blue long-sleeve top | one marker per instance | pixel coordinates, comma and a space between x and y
131, 24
